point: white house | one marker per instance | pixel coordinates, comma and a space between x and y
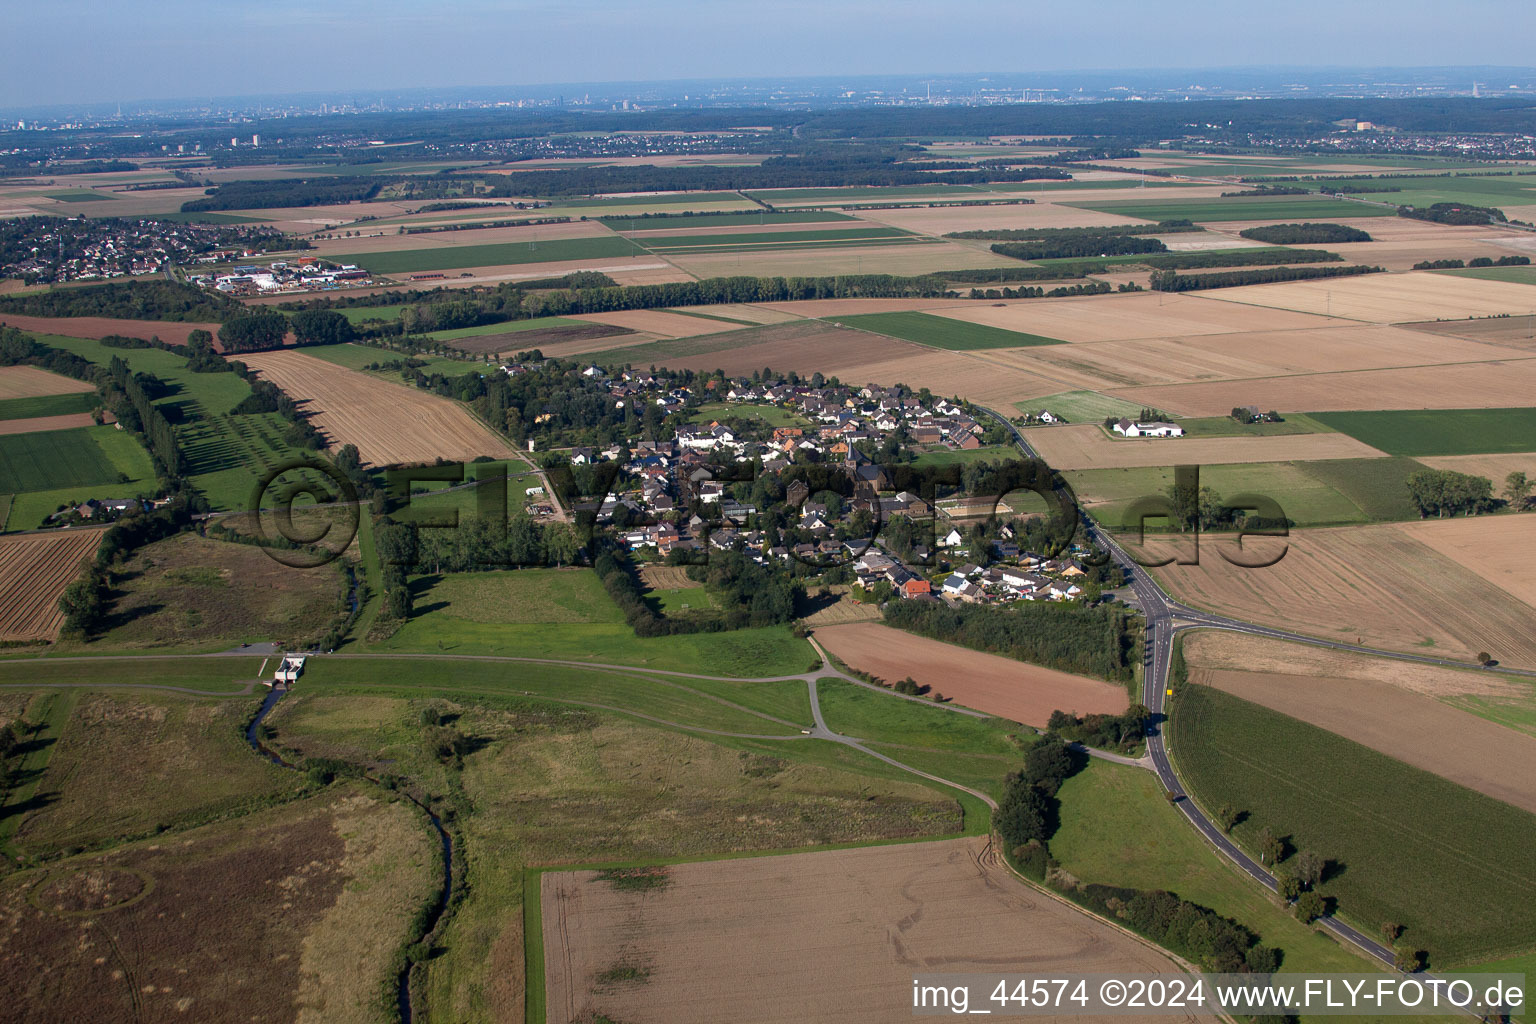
1132, 428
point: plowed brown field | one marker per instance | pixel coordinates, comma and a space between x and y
34, 570
1372, 584
388, 423
987, 682
39, 423
1419, 730
100, 327
808, 938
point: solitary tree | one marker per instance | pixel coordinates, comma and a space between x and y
1227, 817
1270, 846
1390, 931
1309, 868
1309, 907
1517, 488
1407, 960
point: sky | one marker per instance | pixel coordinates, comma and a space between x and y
76, 51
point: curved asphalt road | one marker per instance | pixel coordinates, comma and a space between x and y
1165, 618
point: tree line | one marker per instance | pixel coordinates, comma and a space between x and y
1169, 281
129, 300
1478, 261
1072, 248
1097, 641
1165, 227
1305, 234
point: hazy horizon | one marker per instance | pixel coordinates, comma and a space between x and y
98, 53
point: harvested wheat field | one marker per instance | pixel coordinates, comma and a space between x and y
661, 324
1494, 467
941, 220
389, 424
391, 241
1500, 549
839, 608
34, 570
854, 356
31, 382
1124, 317
101, 327
1512, 331
911, 259
987, 682
1374, 585
740, 311
1490, 385
37, 424
1179, 360
830, 936
1088, 446
292, 913
1388, 298
1411, 727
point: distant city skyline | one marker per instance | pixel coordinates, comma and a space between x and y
89, 51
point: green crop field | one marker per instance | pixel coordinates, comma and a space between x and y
405, 261
132, 475
47, 405
53, 459
209, 218
942, 332
1512, 275
362, 314
672, 199
226, 454
1376, 486
860, 193
1490, 190
1116, 829
1449, 864
723, 220
79, 196
1276, 208
784, 239
1438, 431
1083, 186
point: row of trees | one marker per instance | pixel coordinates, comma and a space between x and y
1445, 492
1097, 641
1478, 261
1169, 281
1166, 227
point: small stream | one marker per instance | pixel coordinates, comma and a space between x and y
403, 984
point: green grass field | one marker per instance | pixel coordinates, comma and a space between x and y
507, 327
1512, 275
54, 459
674, 199
773, 415
724, 220
1500, 190
1117, 829
48, 405
1226, 426
1276, 208
1449, 864
959, 457
406, 261
1517, 712
1438, 431
942, 332
888, 718
507, 614
209, 218
79, 196
122, 451
1079, 406
1305, 499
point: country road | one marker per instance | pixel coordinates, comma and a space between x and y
1165, 619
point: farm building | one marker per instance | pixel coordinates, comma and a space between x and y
1134, 428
